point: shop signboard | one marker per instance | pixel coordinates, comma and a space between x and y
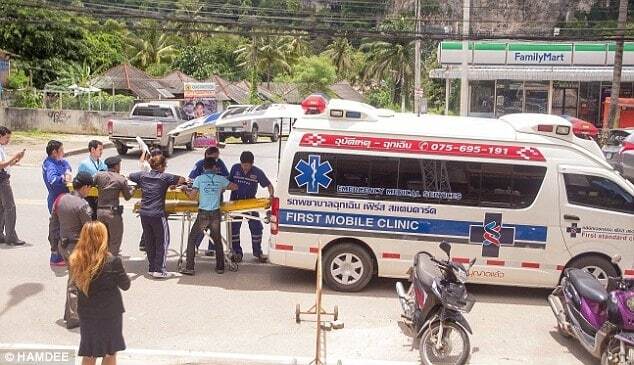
535, 54
539, 54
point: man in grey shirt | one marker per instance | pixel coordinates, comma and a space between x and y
7, 203
70, 212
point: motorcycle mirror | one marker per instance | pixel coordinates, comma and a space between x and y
616, 259
472, 262
446, 247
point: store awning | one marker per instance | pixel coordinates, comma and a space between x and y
533, 73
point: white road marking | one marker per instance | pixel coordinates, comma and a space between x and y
202, 356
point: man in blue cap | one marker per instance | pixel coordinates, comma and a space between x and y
248, 177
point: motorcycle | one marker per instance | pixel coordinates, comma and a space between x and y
601, 319
433, 306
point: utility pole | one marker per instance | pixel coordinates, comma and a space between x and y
618, 66
464, 80
417, 66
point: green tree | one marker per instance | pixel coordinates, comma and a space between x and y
267, 57
212, 56
151, 46
391, 60
313, 74
43, 47
341, 53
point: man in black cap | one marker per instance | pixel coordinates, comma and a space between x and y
69, 213
111, 184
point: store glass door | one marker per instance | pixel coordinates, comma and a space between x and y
565, 98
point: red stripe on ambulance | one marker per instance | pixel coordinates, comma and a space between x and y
428, 147
314, 250
495, 262
530, 265
391, 255
460, 260
283, 247
629, 272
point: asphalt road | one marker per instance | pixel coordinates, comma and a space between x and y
247, 317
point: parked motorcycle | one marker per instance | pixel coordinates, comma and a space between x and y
601, 319
433, 305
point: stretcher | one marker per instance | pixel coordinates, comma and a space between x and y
185, 211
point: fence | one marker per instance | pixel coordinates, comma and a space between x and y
32, 98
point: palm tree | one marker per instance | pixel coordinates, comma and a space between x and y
267, 56
152, 46
385, 60
340, 53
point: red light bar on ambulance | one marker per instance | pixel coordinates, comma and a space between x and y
314, 104
559, 129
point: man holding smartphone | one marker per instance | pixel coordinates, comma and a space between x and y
7, 203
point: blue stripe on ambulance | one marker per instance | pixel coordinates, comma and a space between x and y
408, 225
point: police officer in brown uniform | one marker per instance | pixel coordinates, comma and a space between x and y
70, 212
111, 184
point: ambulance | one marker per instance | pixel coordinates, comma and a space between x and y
521, 194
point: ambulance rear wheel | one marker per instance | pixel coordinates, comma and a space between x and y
601, 268
347, 267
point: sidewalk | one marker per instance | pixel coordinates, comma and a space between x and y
35, 144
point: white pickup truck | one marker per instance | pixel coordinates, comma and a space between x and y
248, 122
150, 121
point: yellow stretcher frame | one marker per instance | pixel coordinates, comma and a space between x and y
185, 211
179, 206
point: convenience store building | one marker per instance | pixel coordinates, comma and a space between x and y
506, 77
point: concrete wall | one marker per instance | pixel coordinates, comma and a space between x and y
50, 120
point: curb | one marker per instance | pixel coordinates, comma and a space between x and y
79, 151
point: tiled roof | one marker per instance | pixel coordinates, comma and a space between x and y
130, 78
344, 90
174, 81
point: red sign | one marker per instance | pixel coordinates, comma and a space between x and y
427, 147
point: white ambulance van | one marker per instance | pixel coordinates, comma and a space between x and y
521, 194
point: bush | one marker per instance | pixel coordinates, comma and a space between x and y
17, 80
27, 98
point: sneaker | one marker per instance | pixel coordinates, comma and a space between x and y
189, 272
220, 271
161, 275
210, 253
262, 259
236, 258
57, 259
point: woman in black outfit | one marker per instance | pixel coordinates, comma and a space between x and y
98, 275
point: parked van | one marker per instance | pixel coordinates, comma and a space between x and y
521, 194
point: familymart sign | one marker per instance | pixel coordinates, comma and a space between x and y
536, 54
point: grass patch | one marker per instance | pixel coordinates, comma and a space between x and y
29, 135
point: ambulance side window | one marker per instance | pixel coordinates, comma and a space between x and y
597, 192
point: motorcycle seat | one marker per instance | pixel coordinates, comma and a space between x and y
588, 286
427, 270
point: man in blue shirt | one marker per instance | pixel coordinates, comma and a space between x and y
92, 165
208, 187
199, 169
221, 169
56, 172
248, 177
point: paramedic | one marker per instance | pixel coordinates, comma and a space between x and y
247, 177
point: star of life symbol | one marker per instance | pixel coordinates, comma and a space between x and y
314, 139
528, 153
573, 230
313, 173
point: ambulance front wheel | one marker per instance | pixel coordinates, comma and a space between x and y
347, 267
